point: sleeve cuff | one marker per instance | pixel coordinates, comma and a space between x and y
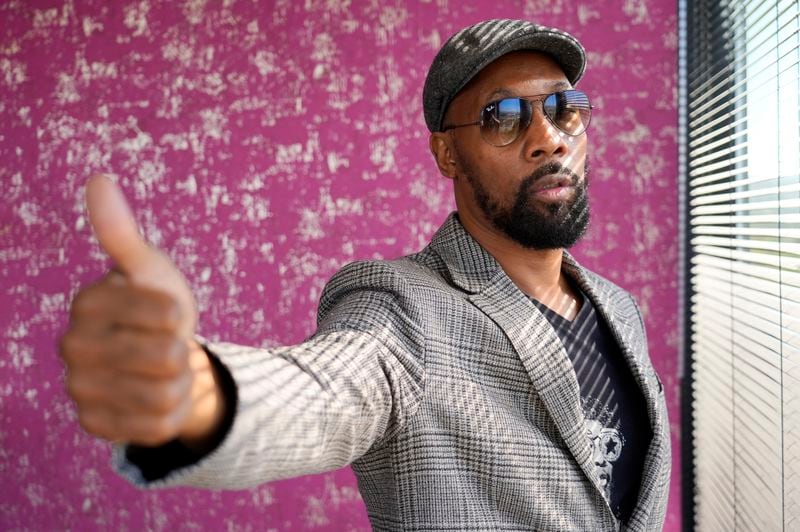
155, 463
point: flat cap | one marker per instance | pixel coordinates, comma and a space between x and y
470, 50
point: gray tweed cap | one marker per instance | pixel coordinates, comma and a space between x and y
467, 52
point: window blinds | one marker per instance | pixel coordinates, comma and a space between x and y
742, 179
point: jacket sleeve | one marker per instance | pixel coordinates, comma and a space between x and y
316, 406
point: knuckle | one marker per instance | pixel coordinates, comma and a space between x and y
80, 304
90, 306
118, 425
75, 348
78, 348
93, 423
69, 346
76, 388
89, 389
86, 299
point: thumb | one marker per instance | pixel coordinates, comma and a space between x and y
115, 227
144, 265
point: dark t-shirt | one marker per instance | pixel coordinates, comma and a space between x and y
613, 404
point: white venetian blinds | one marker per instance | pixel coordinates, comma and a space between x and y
743, 215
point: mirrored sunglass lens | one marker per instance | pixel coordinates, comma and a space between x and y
569, 110
501, 121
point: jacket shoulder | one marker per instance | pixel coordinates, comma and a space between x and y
401, 275
396, 283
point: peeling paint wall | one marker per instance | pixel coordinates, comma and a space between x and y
264, 145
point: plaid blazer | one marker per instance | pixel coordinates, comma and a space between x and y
447, 391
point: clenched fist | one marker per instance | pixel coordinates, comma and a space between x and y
133, 368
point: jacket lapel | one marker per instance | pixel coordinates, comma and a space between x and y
545, 360
619, 311
551, 372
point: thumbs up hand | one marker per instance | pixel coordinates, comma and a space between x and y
133, 368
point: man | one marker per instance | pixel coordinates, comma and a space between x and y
488, 382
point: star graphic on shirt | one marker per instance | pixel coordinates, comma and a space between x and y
611, 447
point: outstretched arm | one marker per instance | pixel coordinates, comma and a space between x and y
228, 415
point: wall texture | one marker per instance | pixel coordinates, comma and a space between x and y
264, 145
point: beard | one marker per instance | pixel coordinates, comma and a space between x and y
537, 225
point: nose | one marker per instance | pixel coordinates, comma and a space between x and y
598, 455
543, 141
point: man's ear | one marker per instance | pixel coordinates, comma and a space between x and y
443, 152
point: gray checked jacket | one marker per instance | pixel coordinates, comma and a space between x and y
447, 391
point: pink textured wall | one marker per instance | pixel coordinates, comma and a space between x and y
264, 145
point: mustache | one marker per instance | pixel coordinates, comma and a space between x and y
552, 168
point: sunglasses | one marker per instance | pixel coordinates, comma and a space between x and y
503, 121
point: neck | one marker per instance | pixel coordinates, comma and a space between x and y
536, 272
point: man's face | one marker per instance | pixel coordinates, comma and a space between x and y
534, 189
607, 446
